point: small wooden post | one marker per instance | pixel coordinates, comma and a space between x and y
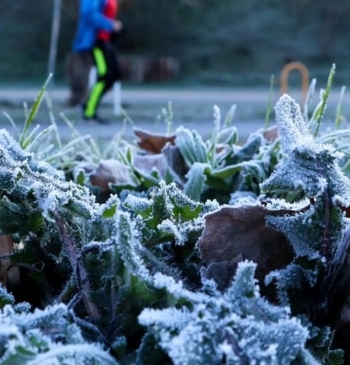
304, 77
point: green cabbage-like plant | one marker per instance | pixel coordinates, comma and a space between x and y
123, 280
49, 336
236, 327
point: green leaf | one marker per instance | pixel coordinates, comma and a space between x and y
5, 297
110, 208
129, 156
228, 171
228, 136
196, 180
80, 177
248, 151
191, 146
148, 180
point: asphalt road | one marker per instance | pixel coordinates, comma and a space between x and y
145, 108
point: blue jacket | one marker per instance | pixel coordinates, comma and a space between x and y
91, 20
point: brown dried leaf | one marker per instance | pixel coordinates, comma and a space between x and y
271, 134
222, 272
109, 171
153, 143
6, 248
242, 232
176, 163
146, 163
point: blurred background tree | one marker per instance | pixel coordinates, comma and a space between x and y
231, 42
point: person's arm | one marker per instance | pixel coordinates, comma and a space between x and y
89, 9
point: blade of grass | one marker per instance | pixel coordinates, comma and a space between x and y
229, 116
319, 112
338, 116
32, 112
30, 137
12, 122
309, 96
269, 104
53, 120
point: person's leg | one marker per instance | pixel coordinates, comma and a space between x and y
113, 69
114, 78
99, 88
77, 66
108, 71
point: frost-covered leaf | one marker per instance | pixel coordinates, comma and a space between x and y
109, 209
311, 172
46, 337
127, 243
310, 234
238, 327
228, 136
168, 215
5, 297
191, 146
292, 127
248, 150
195, 180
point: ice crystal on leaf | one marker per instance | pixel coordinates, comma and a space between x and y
46, 337
311, 167
33, 189
292, 128
238, 327
309, 178
311, 171
130, 269
168, 214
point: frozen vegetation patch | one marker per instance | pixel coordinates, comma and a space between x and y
126, 271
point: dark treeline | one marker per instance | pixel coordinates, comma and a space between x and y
232, 41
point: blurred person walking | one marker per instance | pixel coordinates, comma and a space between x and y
96, 26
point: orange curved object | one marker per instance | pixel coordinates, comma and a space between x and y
304, 77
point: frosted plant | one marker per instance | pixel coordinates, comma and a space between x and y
219, 166
50, 336
111, 261
169, 225
90, 253
53, 218
312, 170
310, 178
35, 189
84, 247
236, 327
168, 215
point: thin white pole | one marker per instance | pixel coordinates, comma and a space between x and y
117, 98
92, 76
55, 30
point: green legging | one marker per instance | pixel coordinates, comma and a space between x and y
108, 72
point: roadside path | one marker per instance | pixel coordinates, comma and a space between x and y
192, 108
